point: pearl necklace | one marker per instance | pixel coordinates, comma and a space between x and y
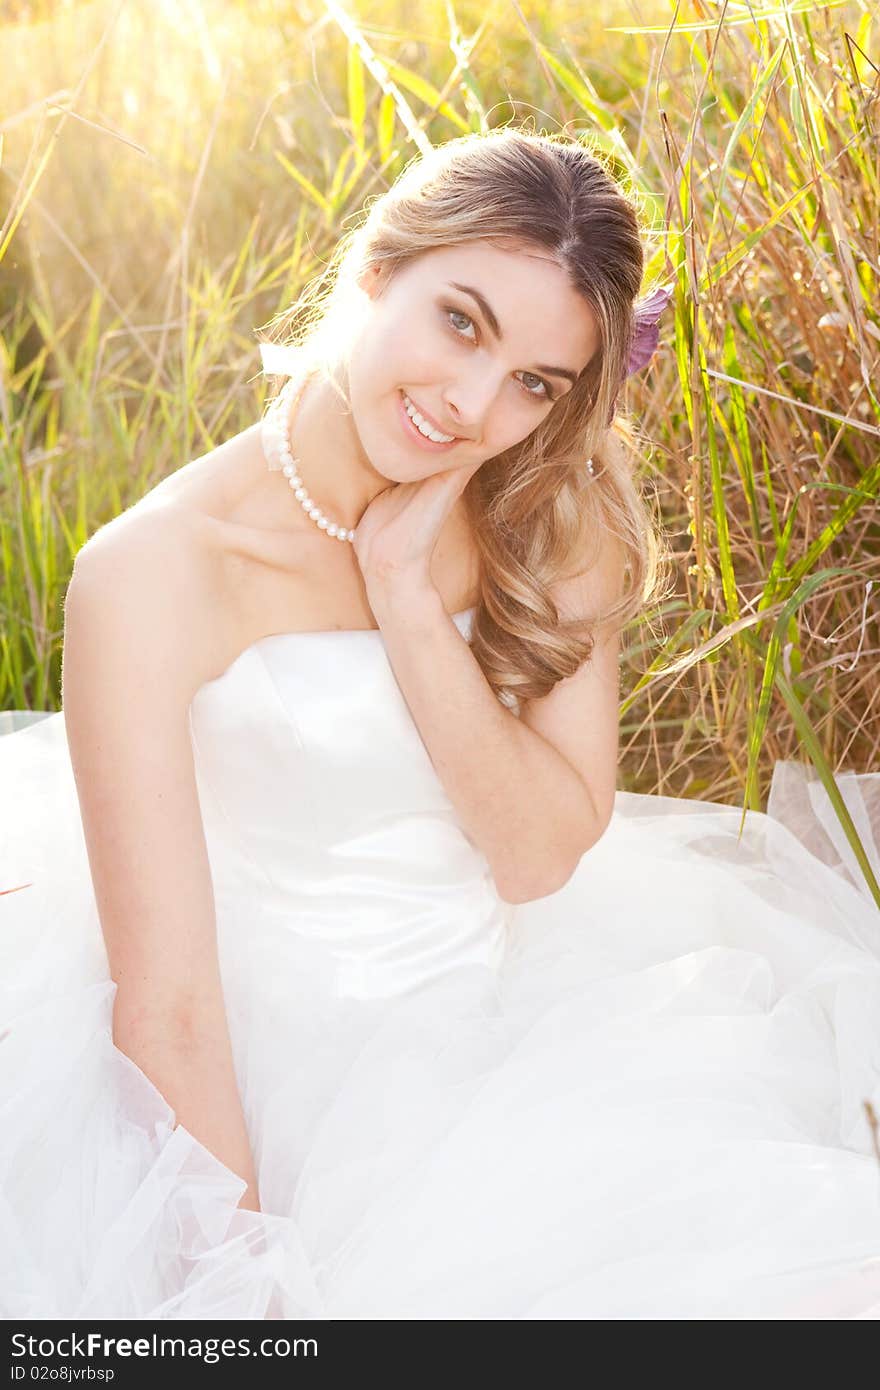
276, 431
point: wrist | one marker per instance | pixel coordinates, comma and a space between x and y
406, 605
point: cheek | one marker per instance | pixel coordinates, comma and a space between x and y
519, 423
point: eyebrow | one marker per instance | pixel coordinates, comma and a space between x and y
495, 326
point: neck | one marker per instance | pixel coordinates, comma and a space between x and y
331, 461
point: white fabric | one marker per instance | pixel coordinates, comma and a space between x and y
639, 1097
280, 359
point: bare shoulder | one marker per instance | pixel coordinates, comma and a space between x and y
236, 500
144, 604
191, 563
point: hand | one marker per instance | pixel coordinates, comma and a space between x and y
395, 538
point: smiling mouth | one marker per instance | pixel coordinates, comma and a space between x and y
437, 446
407, 400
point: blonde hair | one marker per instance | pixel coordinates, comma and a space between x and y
537, 513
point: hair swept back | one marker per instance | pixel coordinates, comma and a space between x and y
537, 514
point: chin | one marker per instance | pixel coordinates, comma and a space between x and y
404, 472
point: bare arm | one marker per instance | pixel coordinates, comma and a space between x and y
137, 646
534, 791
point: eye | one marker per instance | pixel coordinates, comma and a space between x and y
545, 395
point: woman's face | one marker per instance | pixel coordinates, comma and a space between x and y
489, 384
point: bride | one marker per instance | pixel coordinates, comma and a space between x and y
338, 980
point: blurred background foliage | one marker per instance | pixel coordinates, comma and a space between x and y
172, 171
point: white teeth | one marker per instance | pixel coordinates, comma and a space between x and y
423, 427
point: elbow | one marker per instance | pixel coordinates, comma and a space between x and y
516, 897
538, 885
516, 887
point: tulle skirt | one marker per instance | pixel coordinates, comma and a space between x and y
659, 1107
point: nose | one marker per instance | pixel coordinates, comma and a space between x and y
469, 403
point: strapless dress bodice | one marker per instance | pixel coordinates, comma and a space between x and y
318, 792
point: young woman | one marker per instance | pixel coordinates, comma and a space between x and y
337, 981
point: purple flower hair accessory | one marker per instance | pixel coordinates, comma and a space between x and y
647, 335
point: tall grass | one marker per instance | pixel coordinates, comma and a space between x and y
172, 173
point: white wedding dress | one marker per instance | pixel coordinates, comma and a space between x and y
640, 1097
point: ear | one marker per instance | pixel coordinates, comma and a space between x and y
373, 279
370, 280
